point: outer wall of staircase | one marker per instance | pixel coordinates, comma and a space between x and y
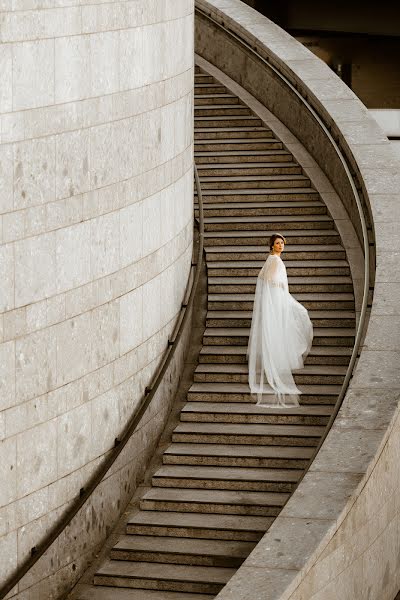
96, 225
338, 536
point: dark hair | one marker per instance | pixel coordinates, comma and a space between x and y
275, 236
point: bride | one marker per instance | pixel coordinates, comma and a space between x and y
280, 336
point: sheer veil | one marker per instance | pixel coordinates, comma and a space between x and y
280, 337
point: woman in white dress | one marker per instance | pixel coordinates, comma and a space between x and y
280, 336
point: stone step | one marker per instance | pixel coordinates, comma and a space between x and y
244, 456
240, 392
209, 88
192, 525
215, 133
253, 182
307, 223
325, 301
257, 209
238, 373
177, 578
238, 336
275, 194
246, 238
210, 99
295, 268
237, 433
227, 502
221, 110
261, 168
242, 318
195, 552
297, 252
89, 592
247, 157
226, 478
211, 412
240, 144
247, 285
204, 78
228, 121
318, 356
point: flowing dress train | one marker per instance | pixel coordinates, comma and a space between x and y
280, 337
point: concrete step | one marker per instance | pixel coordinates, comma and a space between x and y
226, 478
211, 412
240, 144
307, 223
240, 392
238, 336
325, 301
196, 552
257, 209
209, 88
221, 110
215, 133
236, 455
295, 268
193, 525
227, 121
247, 285
258, 434
89, 592
319, 355
246, 157
227, 502
176, 578
246, 238
210, 99
296, 252
262, 168
238, 373
242, 318
253, 182
204, 78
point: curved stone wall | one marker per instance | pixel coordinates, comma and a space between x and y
96, 197
338, 534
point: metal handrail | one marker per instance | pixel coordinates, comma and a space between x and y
120, 442
360, 329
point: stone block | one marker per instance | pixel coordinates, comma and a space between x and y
35, 364
72, 163
105, 334
34, 172
105, 245
8, 471
33, 74
151, 223
36, 458
131, 320
151, 307
74, 431
73, 348
35, 269
131, 233
72, 68
6, 172
105, 410
73, 256
131, 58
104, 63
6, 277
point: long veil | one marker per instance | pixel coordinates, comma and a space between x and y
280, 338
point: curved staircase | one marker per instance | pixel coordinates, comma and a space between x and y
232, 465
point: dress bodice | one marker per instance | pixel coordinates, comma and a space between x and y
273, 272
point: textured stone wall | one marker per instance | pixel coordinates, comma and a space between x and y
96, 195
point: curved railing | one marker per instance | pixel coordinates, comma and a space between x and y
268, 62
121, 441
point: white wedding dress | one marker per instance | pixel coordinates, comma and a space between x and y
280, 337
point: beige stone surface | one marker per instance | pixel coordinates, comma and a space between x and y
95, 163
